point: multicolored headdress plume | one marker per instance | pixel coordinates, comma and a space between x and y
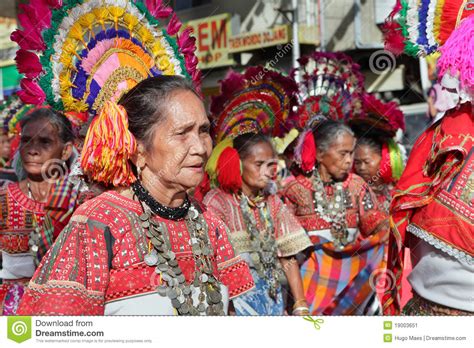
379, 118
259, 100
331, 88
91, 52
12, 110
421, 27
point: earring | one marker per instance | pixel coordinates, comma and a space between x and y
139, 172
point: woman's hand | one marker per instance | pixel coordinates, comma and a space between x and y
292, 272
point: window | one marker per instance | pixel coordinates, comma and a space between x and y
187, 4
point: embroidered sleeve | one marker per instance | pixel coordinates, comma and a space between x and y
214, 204
289, 198
73, 276
372, 218
290, 236
233, 270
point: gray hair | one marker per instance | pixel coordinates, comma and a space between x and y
326, 132
146, 104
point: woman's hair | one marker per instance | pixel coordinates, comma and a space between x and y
326, 132
146, 102
57, 119
373, 143
244, 143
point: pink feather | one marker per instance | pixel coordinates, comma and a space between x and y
31, 92
28, 63
394, 40
174, 25
233, 81
31, 41
55, 3
186, 42
157, 9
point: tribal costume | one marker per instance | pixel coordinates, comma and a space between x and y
97, 266
289, 236
20, 217
115, 255
257, 101
432, 208
337, 280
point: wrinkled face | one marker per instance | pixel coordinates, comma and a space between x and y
367, 163
337, 160
41, 149
259, 166
181, 143
4, 146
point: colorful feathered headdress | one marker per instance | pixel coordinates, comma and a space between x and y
331, 88
381, 118
259, 100
421, 27
381, 121
12, 110
92, 51
83, 55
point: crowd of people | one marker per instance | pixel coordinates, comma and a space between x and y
121, 194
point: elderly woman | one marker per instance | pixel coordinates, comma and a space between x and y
341, 215
145, 247
262, 229
46, 145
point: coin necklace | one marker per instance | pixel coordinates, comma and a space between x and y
35, 235
174, 284
264, 250
331, 210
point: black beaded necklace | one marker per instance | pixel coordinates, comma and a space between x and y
156, 207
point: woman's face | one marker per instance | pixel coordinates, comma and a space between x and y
4, 146
367, 163
42, 150
258, 167
180, 146
337, 160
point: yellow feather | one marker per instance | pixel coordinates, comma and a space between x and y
130, 20
145, 35
211, 166
76, 32
101, 14
164, 63
87, 20
116, 12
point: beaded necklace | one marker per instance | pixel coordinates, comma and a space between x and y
264, 249
173, 284
331, 210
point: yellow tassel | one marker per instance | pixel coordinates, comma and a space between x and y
145, 35
164, 63
131, 22
101, 14
116, 12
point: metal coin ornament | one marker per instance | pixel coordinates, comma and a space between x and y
264, 248
174, 284
332, 210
